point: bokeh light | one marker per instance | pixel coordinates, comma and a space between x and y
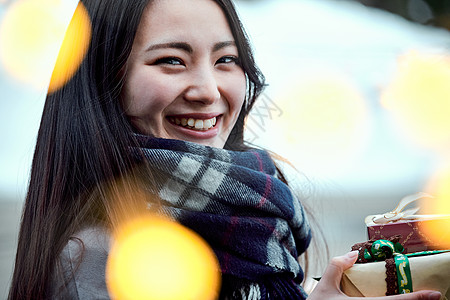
73, 49
418, 99
31, 34
154, 258
325, 123
438, 231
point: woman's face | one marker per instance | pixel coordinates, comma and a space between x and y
183, 76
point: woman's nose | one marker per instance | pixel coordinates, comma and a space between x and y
203, 87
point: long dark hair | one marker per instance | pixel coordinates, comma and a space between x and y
83, 142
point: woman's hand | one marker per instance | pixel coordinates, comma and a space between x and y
329, 285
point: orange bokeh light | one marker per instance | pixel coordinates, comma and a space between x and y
418, 99
438, 231
325, 122
154, 258
31, 34
73, 49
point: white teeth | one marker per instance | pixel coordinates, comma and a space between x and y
197, 124
207, 124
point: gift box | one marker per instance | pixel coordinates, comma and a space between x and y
413, 238
429, 272
408, 225
384, 268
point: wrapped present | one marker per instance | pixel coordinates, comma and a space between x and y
406, 224
425, 272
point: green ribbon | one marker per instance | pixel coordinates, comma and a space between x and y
403, 271
423, 253
383, 249
403, 274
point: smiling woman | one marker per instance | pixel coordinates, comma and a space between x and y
152, 121
197, 85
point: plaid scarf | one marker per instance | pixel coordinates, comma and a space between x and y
234, 200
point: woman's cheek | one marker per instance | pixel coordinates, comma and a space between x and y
149, 98
238, 87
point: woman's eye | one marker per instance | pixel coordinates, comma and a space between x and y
228, 60
169, 61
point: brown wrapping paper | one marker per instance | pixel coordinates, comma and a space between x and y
431, 272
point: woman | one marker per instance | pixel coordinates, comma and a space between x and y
180, 70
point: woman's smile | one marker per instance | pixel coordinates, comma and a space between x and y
183, 80
195, 126
194, 123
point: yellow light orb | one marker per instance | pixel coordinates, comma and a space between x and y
154, 258
73, 49
438, 231
31, 34
418, 99
325, 122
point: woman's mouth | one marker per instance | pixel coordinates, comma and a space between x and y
194, 124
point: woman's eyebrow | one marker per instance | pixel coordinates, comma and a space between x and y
187, 48
175, 45
221, 45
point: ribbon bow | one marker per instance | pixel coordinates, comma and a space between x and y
399, 213
382, 250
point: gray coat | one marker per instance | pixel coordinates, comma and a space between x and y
83, 264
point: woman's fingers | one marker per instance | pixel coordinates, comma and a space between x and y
420, 295
337, 266
329, 285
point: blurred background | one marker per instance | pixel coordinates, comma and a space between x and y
357, 100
